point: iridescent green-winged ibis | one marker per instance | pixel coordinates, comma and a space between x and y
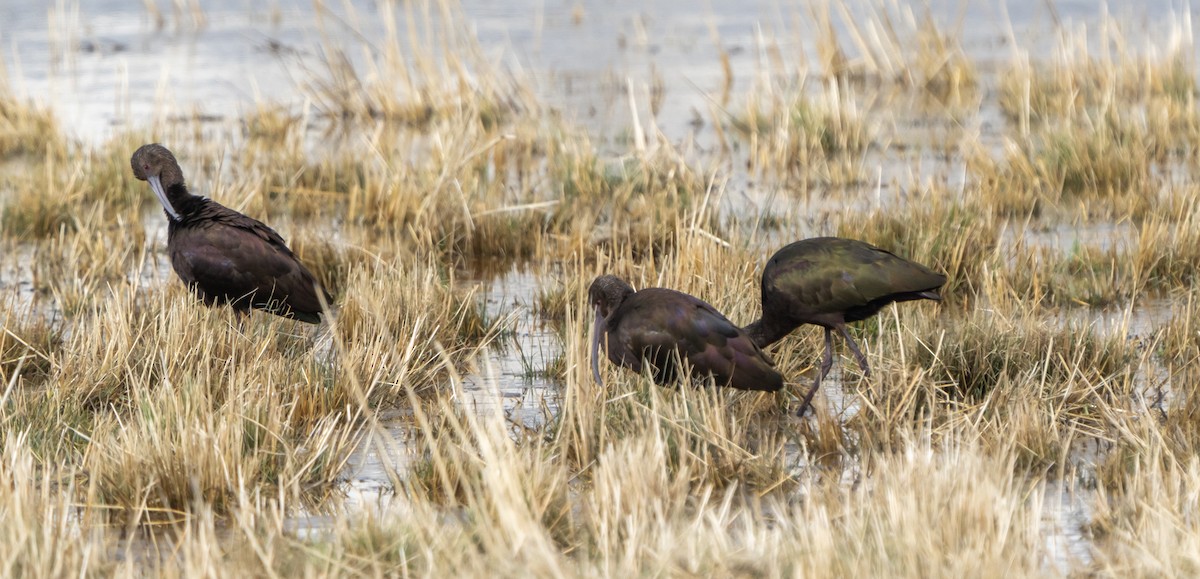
225, 256
829, 282
663, 326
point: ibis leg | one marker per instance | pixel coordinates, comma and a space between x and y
827, 361
862, 360
826, 365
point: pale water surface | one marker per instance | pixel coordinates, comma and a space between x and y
107, 65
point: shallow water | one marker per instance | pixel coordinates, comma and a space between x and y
107, 65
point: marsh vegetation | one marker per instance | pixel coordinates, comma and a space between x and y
1042, 420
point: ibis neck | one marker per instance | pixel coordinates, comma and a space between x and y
767, 330
183, 203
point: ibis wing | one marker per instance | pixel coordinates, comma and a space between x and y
245, 265
676, 324
838, 275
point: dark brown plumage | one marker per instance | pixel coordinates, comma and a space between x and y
661, 326
225, 256
829, 282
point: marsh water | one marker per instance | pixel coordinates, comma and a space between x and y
105, 66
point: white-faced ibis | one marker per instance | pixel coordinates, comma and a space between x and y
225, 256
829, 282
663, 326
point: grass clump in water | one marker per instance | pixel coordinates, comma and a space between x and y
415, 321
1078, 82
25, 128
988, 350
1106, 158
641, 203
814, 140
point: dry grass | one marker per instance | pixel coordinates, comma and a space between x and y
818, 139
409, 325
26, 129
66, 186
143, 433
1079, 77
28, 343
1167, 252
993, 348
1110, 159
894, 43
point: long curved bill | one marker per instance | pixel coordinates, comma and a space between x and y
596, 333
156, 186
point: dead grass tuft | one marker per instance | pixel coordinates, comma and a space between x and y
992, 349
811, 139
416, 321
